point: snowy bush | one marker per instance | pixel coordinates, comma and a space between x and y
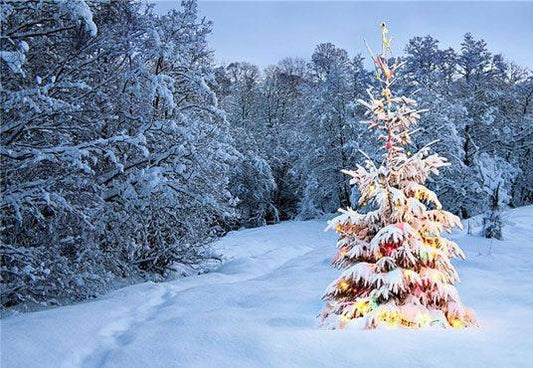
113, 148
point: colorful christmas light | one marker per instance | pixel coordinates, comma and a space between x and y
396, 269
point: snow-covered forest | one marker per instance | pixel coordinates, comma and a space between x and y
126, 149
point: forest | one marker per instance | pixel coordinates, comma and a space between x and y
126, 149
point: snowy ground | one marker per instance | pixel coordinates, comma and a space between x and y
258, 310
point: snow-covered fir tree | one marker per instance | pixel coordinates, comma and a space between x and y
396, 268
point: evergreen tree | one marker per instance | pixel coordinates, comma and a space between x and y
396, 265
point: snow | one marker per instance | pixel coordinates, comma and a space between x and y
259, 310
14, 60
78, 9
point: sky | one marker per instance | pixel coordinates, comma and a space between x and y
264, 32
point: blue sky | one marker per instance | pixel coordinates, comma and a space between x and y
263, 32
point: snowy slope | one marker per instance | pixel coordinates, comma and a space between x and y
258, 310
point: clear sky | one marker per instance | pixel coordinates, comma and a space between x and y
263, 32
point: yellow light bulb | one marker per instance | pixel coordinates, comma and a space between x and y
424, 320
363, 307
456, 323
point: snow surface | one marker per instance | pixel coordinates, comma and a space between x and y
258, 310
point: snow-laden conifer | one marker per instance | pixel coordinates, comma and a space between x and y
396, 268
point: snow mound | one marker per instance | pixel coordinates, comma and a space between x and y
259, 310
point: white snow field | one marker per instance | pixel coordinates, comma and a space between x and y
258, 310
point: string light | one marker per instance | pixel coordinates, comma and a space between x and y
343, 285
363, 307
456, 323
388, 248
404, 296
392, 319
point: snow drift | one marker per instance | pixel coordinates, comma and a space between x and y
259, 310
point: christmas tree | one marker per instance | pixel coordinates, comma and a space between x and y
395, 264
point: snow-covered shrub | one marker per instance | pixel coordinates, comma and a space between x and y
496, 177
254, 185
114, 157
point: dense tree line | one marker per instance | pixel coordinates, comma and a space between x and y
479, 107
125, 149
